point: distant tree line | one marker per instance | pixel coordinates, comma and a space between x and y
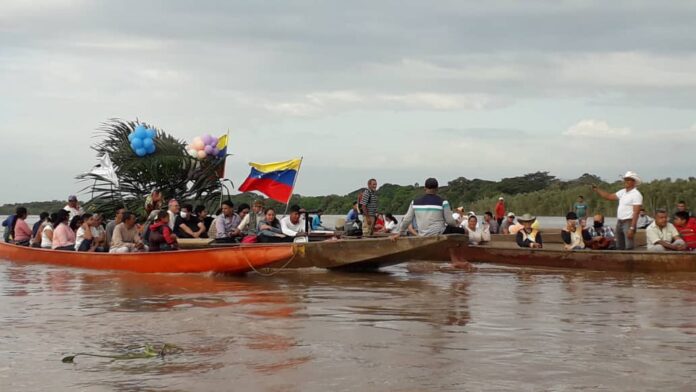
537, 193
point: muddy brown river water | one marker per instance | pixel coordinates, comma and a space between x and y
495, 329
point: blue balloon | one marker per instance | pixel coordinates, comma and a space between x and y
151, 133
140, 152
136, 143
147, 142
150, 149
131, 136
141, 131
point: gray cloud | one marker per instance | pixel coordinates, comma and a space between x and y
407, 86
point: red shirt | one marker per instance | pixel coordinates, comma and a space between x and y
166, 232
500, 209
688, 233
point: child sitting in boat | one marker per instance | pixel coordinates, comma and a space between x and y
160, 236
528, 237
686, 226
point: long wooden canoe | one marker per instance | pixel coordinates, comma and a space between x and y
556, 257
370, 253
232, 260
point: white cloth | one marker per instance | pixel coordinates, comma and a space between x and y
45, 241
654, 234
79, 237
390, 226
172, 219
626, 202
481, 234
121, 249
73, 211
290, 229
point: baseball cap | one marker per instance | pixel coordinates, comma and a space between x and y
72, 198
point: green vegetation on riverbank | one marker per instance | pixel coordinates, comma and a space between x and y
538, 193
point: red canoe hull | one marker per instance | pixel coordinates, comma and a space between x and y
231, 260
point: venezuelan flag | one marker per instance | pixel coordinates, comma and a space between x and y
276, 180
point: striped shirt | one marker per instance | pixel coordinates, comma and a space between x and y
433, 214
369, 199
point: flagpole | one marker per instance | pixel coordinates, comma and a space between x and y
222, 186
294, 180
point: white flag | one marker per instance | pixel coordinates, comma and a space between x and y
105, 169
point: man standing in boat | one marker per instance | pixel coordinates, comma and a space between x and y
73, 207
433, 214
630, 202
368, 206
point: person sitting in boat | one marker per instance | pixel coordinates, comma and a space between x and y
477, 233
160, 236
662, 235
202, 214
601, 236
153, 201
391, 225
573, 234
432, 212
459, 216
269, 229
8, 223
293, 225
83, 235
45, 233
63, 236
528, 237
643, 219
126, 238
109, 231
509, 221
379, 223
515, 228
317, 224
227, 224
21, 231
73, 207
187, 224
492, 223
353, 225
686, 226
250, 221
35, 234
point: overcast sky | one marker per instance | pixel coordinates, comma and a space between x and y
395, 90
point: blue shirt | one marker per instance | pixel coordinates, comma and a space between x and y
316, 223
352, 216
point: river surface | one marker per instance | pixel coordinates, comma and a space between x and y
312, 330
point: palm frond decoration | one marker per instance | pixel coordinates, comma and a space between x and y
169, 169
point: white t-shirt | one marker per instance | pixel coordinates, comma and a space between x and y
74, 211
290, 229
626, 202
45, 241
79, 237
390, 226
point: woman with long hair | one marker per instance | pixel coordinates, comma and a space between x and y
269, 229
63, 235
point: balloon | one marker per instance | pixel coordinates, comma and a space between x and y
131, 136
151, 148
136, 143
147, 143
198, 143
215, 151
213, 141
140, 152
141, 131
206, 139
201, 155
151, 133
193, 152
208, 150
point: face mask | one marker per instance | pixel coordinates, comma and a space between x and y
597, 225
184, 215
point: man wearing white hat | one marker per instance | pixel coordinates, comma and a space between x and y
630, 202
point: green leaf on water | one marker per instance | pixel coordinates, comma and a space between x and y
69, 359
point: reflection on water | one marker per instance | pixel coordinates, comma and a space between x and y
496, 329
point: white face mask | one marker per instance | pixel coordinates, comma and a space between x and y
184, 214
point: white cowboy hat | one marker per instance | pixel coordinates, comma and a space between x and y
501, 198
632, 175
526, 218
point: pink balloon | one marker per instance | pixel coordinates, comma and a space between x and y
208, 150
197, 144
202, 155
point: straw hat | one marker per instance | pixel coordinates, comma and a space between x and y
634, 176
526, 218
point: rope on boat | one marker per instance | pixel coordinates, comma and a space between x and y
295, 251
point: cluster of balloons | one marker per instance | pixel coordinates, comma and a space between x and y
203, 146
142, 140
